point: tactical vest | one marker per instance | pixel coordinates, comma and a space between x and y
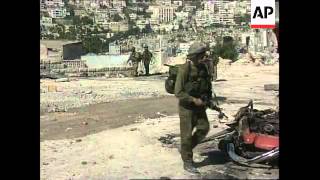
199, 84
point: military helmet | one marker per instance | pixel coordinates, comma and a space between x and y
197, 48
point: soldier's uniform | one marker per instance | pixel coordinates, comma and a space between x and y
135, 58
146, 58
192, 81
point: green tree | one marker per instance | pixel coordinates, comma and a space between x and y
93, 44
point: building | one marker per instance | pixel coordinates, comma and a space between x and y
184, 47
56, 3
114, 49
133, 16
46, 21
118, 26
101, 17
56, 50
189, 8
177, 3
57, 12
79, 12
209, 6
166, 2
226, 11
166, 13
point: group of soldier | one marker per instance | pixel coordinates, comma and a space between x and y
136, 57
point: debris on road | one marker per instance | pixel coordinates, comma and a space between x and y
169, 139
78, 140
84, 162
133, 129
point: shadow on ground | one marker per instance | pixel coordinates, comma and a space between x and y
214, 157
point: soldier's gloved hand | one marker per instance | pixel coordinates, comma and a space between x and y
198, 102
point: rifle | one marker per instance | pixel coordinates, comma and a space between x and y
210, 103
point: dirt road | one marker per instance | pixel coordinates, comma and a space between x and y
119, 139
83, 121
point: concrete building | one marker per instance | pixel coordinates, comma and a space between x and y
209, 6
56, 50
166, 2
184, 47
226, 11
166, 13
46, 21
114, 49
80, 12
101, 16
189, 8
133, 16
177, 3
56, 3
118, 26
57, 12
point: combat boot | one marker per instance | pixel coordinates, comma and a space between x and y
188, 166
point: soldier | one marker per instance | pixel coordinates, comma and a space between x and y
135, 58
146, 58
193, 82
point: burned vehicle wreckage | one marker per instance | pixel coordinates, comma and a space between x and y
252, 139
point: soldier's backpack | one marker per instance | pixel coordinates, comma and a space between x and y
171, 80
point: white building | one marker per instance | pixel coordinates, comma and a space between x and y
226, 11
166, 2
209, 5
101, 17
166, 13
57, 12
133, 16
46, 21
177, 3
56, 3
114, 49
184, 47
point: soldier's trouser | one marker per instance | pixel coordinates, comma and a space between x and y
146, 66
190, 119
135, 67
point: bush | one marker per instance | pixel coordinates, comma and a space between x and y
225, 50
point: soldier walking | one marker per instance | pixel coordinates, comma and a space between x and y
193, 82
146, 58
135, 58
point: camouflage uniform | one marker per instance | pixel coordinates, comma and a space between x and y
146, 58
135, 58
191, 85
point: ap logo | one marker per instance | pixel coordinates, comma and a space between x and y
263, 14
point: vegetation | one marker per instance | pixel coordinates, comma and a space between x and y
225, 49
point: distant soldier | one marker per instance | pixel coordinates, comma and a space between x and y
146, 58
135, 58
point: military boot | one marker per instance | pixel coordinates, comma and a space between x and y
188, 166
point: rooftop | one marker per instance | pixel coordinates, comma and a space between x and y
55, 44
